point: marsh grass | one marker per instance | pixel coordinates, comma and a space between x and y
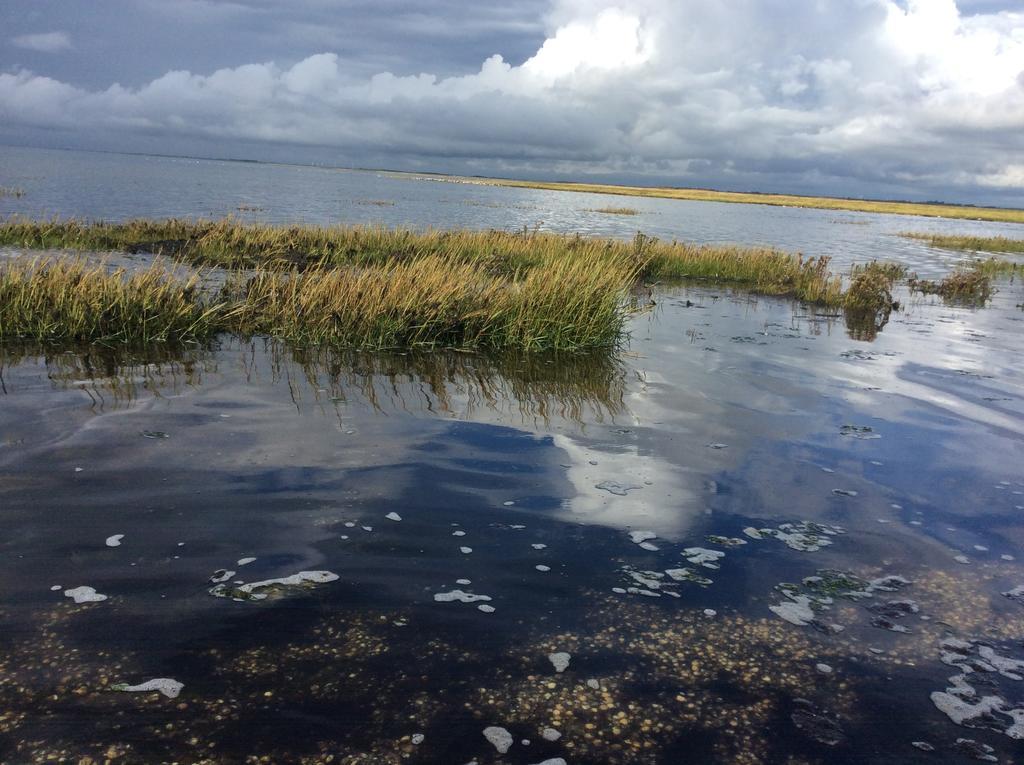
380, 288
964, 286
435, 301
615, 210
11, 191
868, 302
512, 255
59, 299
997, 267
969, 243
564, 305
762, 269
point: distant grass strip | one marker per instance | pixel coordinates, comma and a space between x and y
616, 210
511, 255
11, 191
926, 209
970, 243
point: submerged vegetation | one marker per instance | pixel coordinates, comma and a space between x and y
11, 191
616, 210
969, 243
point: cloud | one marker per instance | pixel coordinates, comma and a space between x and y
44, 42
855, 94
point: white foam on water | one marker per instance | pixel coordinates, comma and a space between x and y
500, 738
84, 595
560, 661
393, 516
459, 595
165, 685
797, 611
700, 556
114, 540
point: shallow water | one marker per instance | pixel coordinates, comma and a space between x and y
116, 187
254, 553
725, 414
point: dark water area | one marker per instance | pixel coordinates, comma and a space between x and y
653, 490
753, 535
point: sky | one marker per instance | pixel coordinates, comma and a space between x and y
909, 99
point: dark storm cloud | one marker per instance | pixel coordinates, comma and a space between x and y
916, 98
132, 42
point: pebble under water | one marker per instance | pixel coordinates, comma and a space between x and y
749, 538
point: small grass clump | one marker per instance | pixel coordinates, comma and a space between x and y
615, 210
868, 301
970, 243
997, 267
966, 286
56, 299
11, 191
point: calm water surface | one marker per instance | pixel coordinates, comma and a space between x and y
116, 187
659, 517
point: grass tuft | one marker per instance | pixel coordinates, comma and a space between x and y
11, 191
868, 301
964, 286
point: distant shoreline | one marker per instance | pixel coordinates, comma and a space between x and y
924, 209
891, 207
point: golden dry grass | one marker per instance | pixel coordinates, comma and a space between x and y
60, 299
927, 209
373, 287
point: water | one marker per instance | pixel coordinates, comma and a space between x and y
116, 187
726, 418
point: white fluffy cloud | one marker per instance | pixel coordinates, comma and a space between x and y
912, 94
